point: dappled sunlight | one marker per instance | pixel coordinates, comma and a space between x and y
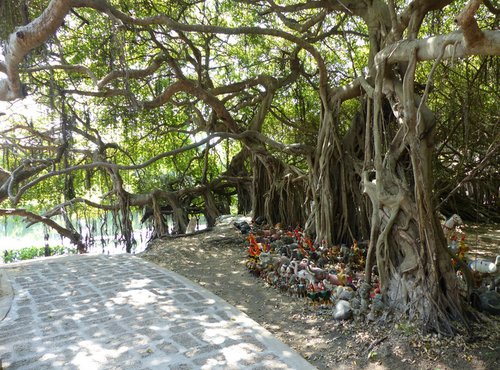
138, 283
218, 335
242, 308
247, 283
128, 314
381, 366
238, 352
483, 240
90, 354
76, 316
134, 297
84, 360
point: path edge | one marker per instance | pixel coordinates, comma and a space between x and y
7, 294
289, 355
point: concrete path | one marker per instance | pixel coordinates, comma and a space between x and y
121, 312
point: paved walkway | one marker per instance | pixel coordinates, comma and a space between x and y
121, 312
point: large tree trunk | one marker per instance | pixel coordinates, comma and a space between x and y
279, 191
238, 174
324, 205
211, 209
338, 207
416, 275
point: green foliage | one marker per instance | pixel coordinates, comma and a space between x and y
27, 253
463, 93
12, 15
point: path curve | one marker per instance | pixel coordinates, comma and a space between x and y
122, 312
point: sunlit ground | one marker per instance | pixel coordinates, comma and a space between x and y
127, 313
483, 240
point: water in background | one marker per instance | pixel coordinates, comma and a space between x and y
100, 238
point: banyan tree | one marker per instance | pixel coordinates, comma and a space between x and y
354, 119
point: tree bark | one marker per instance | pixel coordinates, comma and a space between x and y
416, 275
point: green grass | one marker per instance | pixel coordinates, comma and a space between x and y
33, 252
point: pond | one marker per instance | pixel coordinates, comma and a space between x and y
14, 235
99, 237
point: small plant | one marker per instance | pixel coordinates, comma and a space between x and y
30, 253
9, 256
34, 252
405, 328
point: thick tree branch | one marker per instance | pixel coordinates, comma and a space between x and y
412, 16
491, 7
25, 39
73, 236
105, 7
472, 33
66, 67
97, 94
58, 209
351, 7
291, 148
430, 49
133, 73
293, 24
19, 174
195, 90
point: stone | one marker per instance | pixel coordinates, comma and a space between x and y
364, 304
377, 304
355, 303
346, 295
342, 310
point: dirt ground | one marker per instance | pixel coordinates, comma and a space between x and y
216, 260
